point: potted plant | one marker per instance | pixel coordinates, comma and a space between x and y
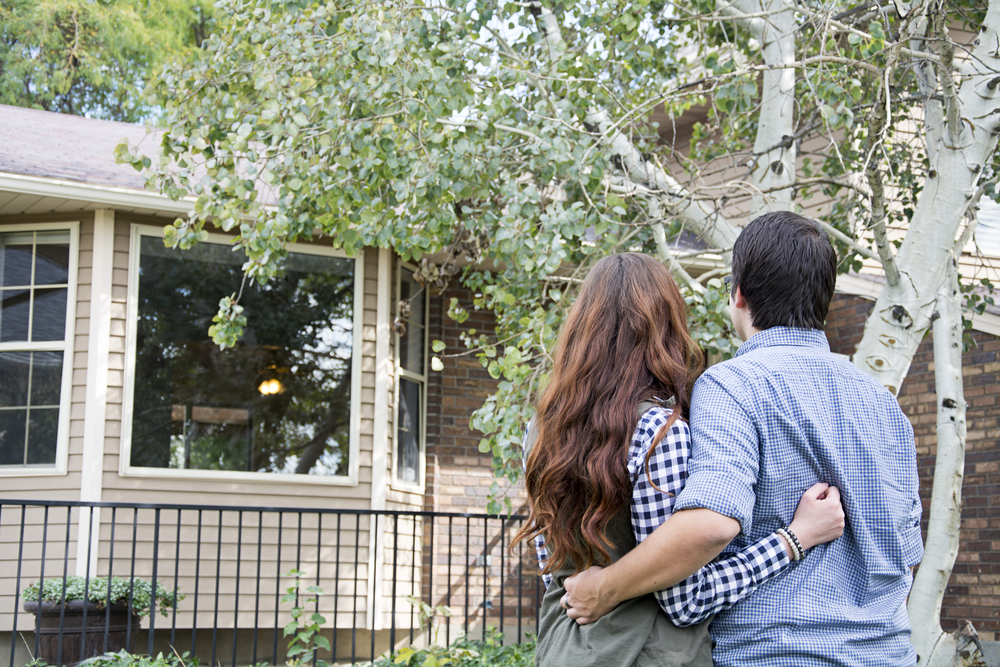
115, 610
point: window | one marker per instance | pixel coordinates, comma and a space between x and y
280, 401
37, 277
411, 343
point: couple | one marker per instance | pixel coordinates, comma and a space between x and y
777, 445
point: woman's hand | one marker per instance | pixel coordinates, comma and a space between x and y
819, 517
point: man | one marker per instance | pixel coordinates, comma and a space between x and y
783, 414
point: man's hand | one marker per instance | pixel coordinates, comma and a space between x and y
584, 601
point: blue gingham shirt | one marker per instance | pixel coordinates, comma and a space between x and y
783, 414
716, 586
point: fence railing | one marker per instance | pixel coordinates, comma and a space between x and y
233, 566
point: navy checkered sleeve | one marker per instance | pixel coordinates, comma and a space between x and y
722, 584
543, 558
716, 586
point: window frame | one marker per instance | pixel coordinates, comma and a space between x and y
67, 346
126, 469
399, 373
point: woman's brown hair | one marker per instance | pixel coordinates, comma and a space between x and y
625, 341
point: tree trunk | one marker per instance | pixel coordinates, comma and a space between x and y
958, 154
934, 646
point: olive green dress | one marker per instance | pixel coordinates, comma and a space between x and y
635, 634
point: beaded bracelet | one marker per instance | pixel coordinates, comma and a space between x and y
793, 543
798, 545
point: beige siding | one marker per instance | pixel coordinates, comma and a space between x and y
38, 542
234, 551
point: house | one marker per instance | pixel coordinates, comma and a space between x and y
112, 393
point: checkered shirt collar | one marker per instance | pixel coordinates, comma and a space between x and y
785, 336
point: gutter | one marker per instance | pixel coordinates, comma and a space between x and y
104, 196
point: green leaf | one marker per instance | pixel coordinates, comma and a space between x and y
438, 346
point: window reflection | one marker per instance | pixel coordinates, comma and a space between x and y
409, 431
199, 407
412, 345
34, 287
29, 407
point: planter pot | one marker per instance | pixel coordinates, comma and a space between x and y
74, 634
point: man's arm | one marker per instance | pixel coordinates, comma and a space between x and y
716, 504
692, 538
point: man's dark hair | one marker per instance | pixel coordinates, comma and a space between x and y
786, 269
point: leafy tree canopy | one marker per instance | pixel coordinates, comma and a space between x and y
94, 57
522, 134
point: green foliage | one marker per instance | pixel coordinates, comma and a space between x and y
94, 57
465, 652
458, 134
426, 614
125, 659
305, 627
96, 590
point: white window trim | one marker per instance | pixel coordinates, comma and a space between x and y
400, 372
127, 470
67, 347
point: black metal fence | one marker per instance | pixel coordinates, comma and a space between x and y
233, 566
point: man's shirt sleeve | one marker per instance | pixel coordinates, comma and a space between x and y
725, 458
716, 586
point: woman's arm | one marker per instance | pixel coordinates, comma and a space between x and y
718, 585
818, 518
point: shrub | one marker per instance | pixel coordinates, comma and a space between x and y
125, 659
97, 592
466, 652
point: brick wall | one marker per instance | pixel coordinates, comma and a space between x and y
458, 480
974, 590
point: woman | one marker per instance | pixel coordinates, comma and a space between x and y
611, 456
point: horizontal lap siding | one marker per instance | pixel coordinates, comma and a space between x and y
49, 487
227, 568
28, 554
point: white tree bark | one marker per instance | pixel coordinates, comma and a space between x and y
678, 202
933, 645
958, 153
774, 149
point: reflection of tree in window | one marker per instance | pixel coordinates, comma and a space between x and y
409, 431
411, 331
277, 402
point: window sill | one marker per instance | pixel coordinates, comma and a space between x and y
22, 471
235, 476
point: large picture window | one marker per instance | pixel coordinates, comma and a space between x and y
279, 401
411, 342
36, 274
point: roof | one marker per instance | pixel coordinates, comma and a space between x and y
71, 148
55, 162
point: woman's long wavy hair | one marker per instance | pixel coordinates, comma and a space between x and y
625, 341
